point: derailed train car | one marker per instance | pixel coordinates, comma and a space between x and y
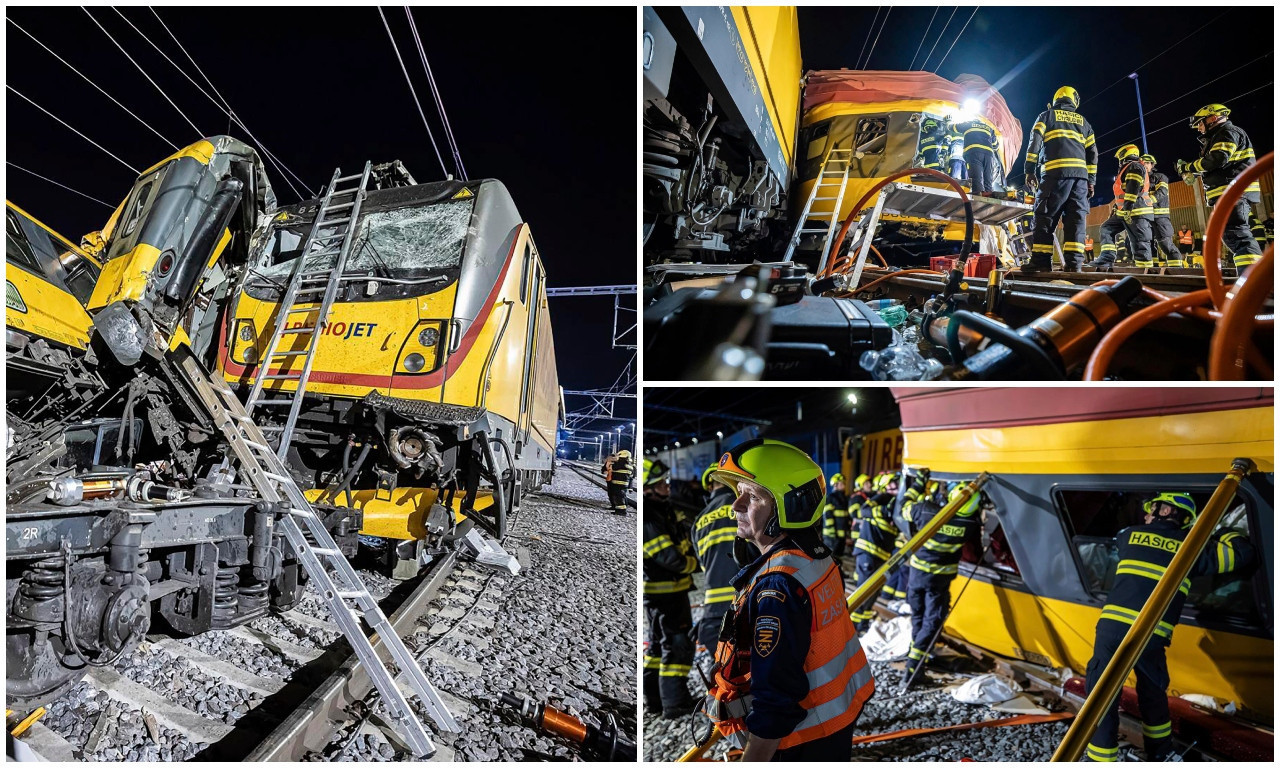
1070, 469
113, 499
433, 396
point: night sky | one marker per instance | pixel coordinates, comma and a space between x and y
1088, 48
541, 99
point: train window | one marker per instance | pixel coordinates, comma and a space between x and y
1095, 517
36, 249
415, 239
524, 272
17, 247
869, 137
138, 208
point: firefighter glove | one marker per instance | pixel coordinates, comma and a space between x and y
1090, 190
1181, 167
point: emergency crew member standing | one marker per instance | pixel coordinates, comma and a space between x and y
955, 154
982, 153
713, 534
1107, 233
790, 677
1162, 227
933, 144
1145, 552
618, 479
1070, 165
835, 517
667, 564
1186, 243
1226, 153
877, 538
933, 567
1133, 190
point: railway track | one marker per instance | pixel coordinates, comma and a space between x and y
286, 687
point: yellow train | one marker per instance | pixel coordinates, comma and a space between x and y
1071, 468
434, 380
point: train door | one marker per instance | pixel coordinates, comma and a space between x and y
531, 295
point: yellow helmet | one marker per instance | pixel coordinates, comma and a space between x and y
861, 479
785, 471
1182, 503
624, 454
1209, 110
1066, 93
655, 472
1149, 159
1127, 150
707, 482
837, 478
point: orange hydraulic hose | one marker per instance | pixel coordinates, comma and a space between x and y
1232, 338
1218, 223
1000, 723
857, 207
900, 272
1100, 360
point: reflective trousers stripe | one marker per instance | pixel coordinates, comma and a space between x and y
1102, 754
675, 670
667, 587
652, 662
718, 595
871, 549
1162, 731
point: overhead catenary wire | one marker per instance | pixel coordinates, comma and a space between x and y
58, 184
95, 85
417, 103
883, 21
224, 107
143, 71
924, 37
953, 42
78, 133
942, 32
867, 39
435, 92
1183, 120
1153, 58
1183, 95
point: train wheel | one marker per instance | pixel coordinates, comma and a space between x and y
35, 669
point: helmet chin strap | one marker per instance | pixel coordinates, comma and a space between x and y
773, 527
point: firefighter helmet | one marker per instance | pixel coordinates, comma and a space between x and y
655, 472
624, 454
837, 478
861, 479
969, 506
1209, 111
1068, 94
707, 482
1149, 159
785, 471
1127, 151
1182, 503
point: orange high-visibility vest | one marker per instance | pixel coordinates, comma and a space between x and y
1184, 236
840, 680
1118, 186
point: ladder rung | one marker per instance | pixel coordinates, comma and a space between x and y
273, 401
347, 594
332, 222
283, 376
816, 199
339, 206
291, 353
278, 478
257, 446
326, 552
300, 329
348, 178
303, 513
302, 309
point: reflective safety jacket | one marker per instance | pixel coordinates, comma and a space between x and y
934, 148
788, 665
667, 560
1062, 143
940, 555
878, 534
620, 472
857, 502
1132, 190
1160, 193
1145, 553
835, 517
1227, 152
713, 533
980, 135
1185, 237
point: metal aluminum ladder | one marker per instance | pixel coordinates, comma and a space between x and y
339, 585
833, 176
338, 211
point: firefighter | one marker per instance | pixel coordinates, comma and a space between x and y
1186, 243
835, 518
933, 144
1132, 189
1162, 246
667, 564
862, 493
877, 539
790, 677
1145, 552
1088, 248
1069, 168
955, 151
1258, 229
1225, 154
713, 542
982, 153
933, 567
618, 479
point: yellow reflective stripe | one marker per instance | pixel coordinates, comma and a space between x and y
883, 525
1150, 571
916, 653
657, 544
1225, 146
1162, 211
1145, 210
1064, 133
1243, 260
1102, 754
667, 587
1157, 731
1065, 162
1162, 185
1032, 157
1133, 177
938, 546
1244, 154
1254, 187
1093, 169
928, 567
870, 548
1038, 128
675, 670
652, 662
1088, 142
1073, 247
978, 146
1108, 247
1128, 616
718, 537
1042, 248
1215, 192
718, 595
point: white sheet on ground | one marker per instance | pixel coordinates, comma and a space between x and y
986, 689
887, 639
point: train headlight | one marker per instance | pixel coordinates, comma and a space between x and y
244, 343
414, 362
421, 350
429, 337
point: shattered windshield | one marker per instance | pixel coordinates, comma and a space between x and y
405, 242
